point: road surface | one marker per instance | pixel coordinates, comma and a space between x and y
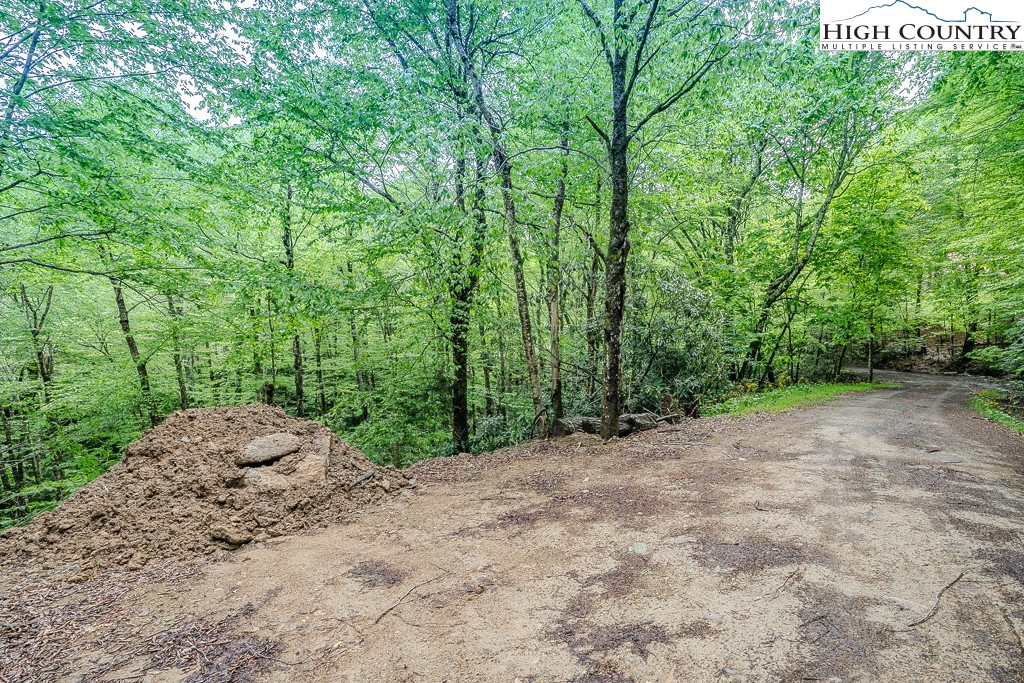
879, 537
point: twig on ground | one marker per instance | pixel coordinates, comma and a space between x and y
757, 506
254, 653
1013, 629
786, 582
404, 596
935, 607
813, 619
362, 477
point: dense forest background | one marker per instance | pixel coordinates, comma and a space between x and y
438, 226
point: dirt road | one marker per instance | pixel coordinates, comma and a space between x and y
794, 547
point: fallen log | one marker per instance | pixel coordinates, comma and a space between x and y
628, 424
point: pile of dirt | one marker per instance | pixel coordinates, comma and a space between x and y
205, 479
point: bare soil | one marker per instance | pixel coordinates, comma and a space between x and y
792, 547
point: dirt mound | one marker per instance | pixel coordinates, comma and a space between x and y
205, 479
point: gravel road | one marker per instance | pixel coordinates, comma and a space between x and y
879, 537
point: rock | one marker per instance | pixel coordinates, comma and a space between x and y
638, 549
284, 466
322, 446
223, 532
263, 480
268, 449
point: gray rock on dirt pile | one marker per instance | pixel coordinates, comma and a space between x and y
268, 449
205, 479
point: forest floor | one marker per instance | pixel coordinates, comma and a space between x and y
801, 546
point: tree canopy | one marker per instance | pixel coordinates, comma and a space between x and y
443, 226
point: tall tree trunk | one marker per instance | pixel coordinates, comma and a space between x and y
179, 367
17, 464
554, 279
523, 306
463, 290
36, 312
970, 343
618, 251
7, 458
257, 362
503, 165
360, 376
800, 254
502, 364
270, 386
736, 210
485, 361
794, 365
817, 351
871, 357
842, 359
460, 358
918, 318
769, 366
33, 453
300, 397
321, 391
593, 283
289, 255
133, 349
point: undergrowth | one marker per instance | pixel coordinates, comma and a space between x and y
991, 405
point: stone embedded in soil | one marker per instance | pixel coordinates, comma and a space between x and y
228, 534
268, 449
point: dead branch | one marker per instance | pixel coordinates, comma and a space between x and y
362, 477
938, 597
1013, 629
404, 596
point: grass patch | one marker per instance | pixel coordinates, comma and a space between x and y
799, 395
988, 403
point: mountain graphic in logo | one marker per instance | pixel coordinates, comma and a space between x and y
901, 11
